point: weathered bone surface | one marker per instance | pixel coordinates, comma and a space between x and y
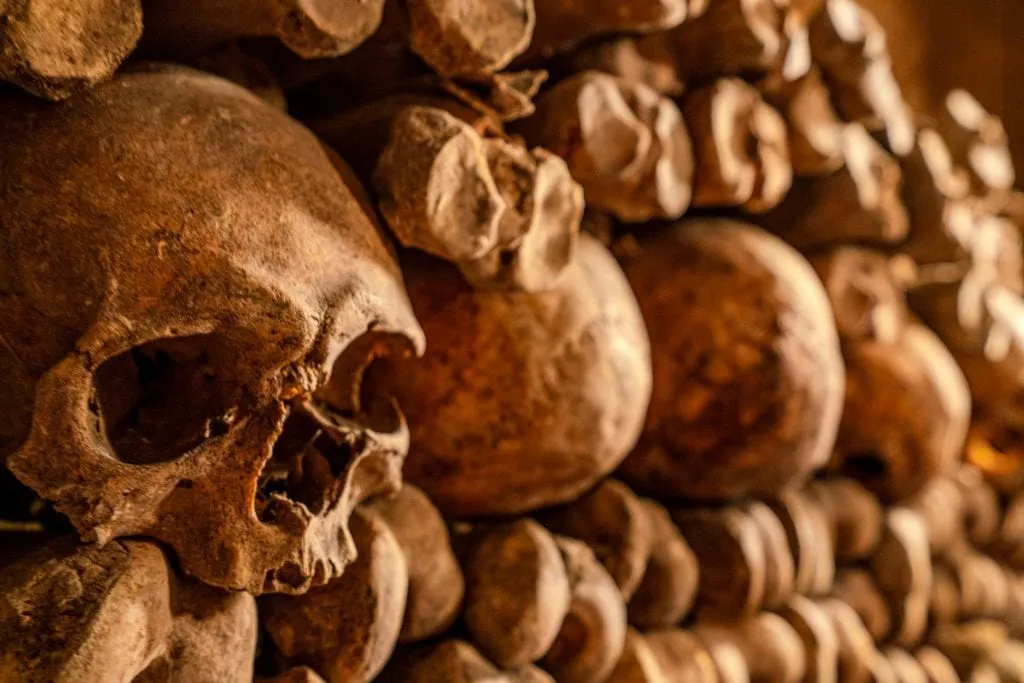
770, 646
680, 656
731, 553
197, 381
733, 37
624, 143
310, 28
564, 24
517, 591
740, 147
57, 48
859, 203
452, 661
525, 399
818, 633
638, 662
977, 140
436, 584
668, 588
748, 373
117, 613
815, 129
593, 633
449, 185
242, 67
459, 38
646, 59
907, 402
850, 45
347, 629
614, 523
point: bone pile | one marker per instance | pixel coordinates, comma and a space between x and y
422, 341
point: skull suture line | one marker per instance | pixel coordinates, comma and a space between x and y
190, 293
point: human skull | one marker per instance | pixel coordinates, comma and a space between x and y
907, 404
190, 292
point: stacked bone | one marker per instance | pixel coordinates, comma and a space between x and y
635, 449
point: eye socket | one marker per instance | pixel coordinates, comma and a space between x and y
158, 401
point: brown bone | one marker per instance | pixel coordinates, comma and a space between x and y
565, 24
858, 203
683, 658
517, 591
934, 191
310, 28
643, 59
592, 636
978, 142
347, 629
854, 513
667, 591
459, 38
118, 612
737, 320
858, 588
731, 554
507, 216
733, 37
856, 646
56, 48
452, 661
780, 568
436, 584
245, 456
740, 147
624, 143
489, 372
638, 662
815, 130
771, 647
810, 543
616, 526
850, 45
821, 642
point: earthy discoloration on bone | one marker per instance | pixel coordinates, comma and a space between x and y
624, 143
517, 591
593, 633
58, 48
615, 524
744, 401
495, 433
199, 400
310, 28
347, 629
740, 148
436, 584
74, 613
667, 591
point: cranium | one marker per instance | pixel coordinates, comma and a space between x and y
190, 292
907, 403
